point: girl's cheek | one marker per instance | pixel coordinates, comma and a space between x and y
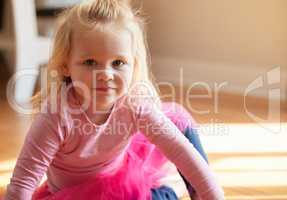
125, 80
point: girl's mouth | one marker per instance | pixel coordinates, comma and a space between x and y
102, 89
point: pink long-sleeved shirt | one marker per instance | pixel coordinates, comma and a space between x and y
70, 148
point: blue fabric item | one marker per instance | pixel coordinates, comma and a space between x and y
163, 193
192, 135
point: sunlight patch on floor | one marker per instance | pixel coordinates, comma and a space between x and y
253, 179
7, 165
6, 169
255, 197
5, 179
262, 163
248, 138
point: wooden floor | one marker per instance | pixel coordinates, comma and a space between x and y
244, 176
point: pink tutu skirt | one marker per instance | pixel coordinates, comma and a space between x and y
140, 172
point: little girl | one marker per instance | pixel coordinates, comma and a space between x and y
101, 132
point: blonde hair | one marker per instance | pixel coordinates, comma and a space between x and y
90, 14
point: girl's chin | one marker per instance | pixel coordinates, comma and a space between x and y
104, 99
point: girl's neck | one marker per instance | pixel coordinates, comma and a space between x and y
96, 113
99, 115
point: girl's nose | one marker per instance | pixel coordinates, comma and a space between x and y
104, 75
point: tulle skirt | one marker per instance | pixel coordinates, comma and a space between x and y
139, 173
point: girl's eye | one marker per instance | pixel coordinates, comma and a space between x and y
118, 63
90, 62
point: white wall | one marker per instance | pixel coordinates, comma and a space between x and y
216, 41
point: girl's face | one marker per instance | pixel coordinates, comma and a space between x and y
101, 65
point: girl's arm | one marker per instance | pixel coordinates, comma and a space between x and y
162, 132
191, 134
41, 144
